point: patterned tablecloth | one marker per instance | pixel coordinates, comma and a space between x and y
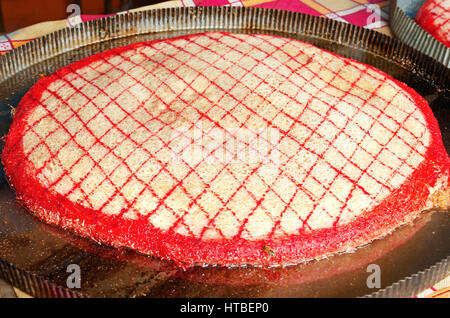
372, 14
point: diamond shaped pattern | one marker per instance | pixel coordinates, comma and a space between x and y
110, 136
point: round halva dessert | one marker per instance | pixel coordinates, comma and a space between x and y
221, 148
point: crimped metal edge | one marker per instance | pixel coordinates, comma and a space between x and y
416, 283
219, 18
407, 30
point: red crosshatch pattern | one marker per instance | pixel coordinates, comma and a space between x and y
434, 17
91, 148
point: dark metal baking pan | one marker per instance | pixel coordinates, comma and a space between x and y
35, 256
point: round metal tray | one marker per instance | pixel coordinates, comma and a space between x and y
35, 256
